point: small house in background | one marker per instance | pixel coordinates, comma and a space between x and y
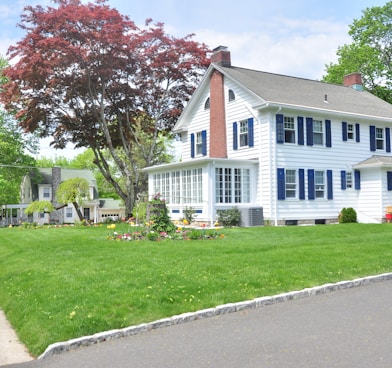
42, 186
281, 149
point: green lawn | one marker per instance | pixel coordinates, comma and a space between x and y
62, 283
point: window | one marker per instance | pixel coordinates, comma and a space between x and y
243, 133
175, 187
319, 184
380, 138
232, 185
46, 192
350, 132
199, 143
289, 129
317, 132
68, 212
207, 104
349, 179
291, 184
231, 95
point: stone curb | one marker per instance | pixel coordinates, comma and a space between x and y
60, 347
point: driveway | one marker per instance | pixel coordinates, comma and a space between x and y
344, 328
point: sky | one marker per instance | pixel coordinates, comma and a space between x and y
296, 38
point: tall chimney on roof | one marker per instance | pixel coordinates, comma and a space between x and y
221, 56
353, 80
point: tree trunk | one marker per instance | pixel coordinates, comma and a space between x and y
77, 208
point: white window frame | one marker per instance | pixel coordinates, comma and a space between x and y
379, 138
291, 183
350, 132
199, 143
289, 129
46, 192
349, 180
319, 184
68, 212
232, 185
243, 134
318, 133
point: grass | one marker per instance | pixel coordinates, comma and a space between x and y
62, 283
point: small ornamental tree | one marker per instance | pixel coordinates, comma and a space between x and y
39, 206
75, 191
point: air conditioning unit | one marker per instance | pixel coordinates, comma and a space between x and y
252, 216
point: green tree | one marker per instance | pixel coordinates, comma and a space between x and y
370, 53
75, 191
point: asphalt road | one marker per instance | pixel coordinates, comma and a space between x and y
347, 328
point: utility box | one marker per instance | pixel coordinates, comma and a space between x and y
252, 216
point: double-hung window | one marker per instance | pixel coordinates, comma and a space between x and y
46, 192
380, 138
244, 133
199, 143
318, 132
350, 132
291, 183
289, 129
319, 182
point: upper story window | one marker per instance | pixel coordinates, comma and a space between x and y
199, 143
350, 132
380, 138
207, 104
289, 129
231, 95
317, 132
243, 133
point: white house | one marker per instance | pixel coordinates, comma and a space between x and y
42, 185
282, 149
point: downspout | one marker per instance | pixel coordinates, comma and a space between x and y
273, 172
211, 190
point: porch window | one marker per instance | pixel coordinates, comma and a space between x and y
232, 185
175, 187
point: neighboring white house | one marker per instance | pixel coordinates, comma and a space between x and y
43, 186
282, 149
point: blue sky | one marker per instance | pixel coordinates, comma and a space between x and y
280, 36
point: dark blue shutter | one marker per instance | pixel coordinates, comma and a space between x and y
388, 139
357, 179
344, 131
192, 145
301, 175
235, 136
309, 131
329, 184
389, 180
204, 142
281, 184
328, 136
343, 182
372, 138
357, 133
250, 132
300, 121
311, 189
279, 129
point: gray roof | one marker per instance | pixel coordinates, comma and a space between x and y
375, 161
299, 92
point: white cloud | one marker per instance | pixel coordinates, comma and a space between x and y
297, 48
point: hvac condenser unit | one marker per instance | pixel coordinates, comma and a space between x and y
252, 216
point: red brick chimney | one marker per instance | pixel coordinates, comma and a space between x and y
353, 80
218, 144
221, 56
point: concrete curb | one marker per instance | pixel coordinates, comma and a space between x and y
73, 344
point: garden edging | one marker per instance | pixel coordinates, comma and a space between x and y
76, 343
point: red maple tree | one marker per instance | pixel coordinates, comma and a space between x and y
86, 74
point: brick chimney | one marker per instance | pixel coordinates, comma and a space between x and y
218, 144
353, 80
221, 56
